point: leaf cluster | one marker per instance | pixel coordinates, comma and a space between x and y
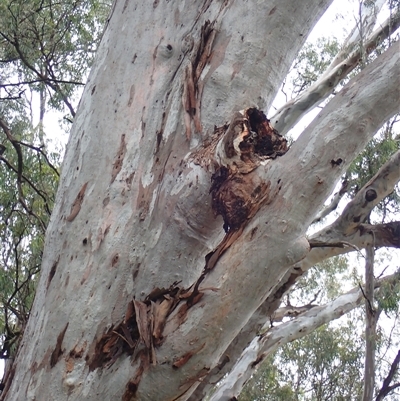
48, 44
26, 201
325, 365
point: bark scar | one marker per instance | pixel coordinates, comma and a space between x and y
237, 192
56, 354
191, 98
76, 206
119, 158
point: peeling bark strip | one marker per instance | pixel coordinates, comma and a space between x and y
119, 339
76, 206
143, 323
52, 272
55, 355
119, 159
192, 91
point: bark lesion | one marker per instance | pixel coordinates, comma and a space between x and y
249, 142
140, 331
237, 192
58, 351
193, 88
76, 206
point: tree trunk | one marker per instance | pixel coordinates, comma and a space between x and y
371, 320
141, 290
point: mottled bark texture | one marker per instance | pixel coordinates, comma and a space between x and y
142, 290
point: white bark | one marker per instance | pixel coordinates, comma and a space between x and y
120, 312
270, 339
333, 204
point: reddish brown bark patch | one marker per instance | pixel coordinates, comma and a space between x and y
132, 385
236, 198
192, 91
56, 354
248, 141
266, 141
115, 260
118, 340
182, 360
52, 272
119, 158
74, 354
76, 206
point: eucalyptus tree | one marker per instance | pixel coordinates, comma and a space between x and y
181, 217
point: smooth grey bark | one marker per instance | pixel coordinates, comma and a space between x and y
116, 315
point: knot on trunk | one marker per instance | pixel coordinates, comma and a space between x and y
249, 140
236, 190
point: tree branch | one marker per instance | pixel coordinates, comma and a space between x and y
39, 149
42, 79
333, 204
288, 115
358, 209
270, 339
371, 319
362, 29
386, 388
32, 185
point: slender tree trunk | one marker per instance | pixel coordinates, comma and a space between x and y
371, 320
